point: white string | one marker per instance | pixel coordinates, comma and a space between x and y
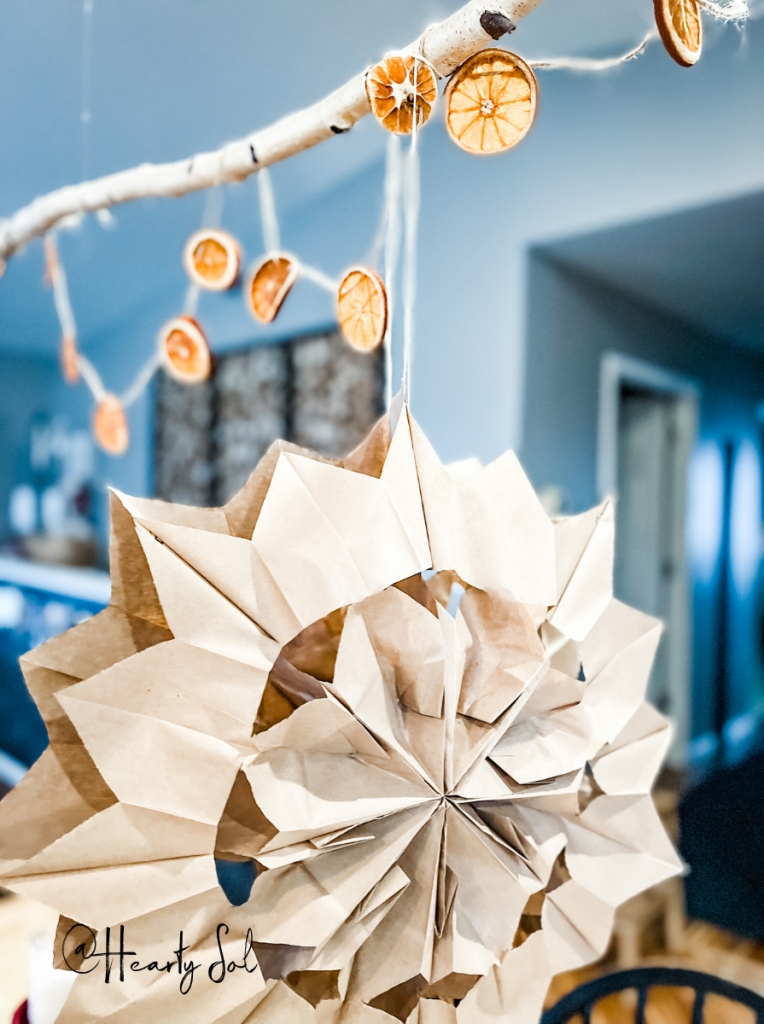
191, 304
392, 242
268, 217
214, 199
85, 89
317, 277
732, 10
591, 63
141, 382
411, 222
91, 377
61, 295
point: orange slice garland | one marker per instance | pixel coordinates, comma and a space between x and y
681, 29
391, 92
269, 284
68, 356
110, 425
491, 102
184, 350
211, 259
362, 308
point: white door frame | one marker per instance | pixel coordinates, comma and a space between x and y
616, 370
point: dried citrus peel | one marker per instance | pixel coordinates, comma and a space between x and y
184, 351
681, 29
491, 102
211, 259
269, 283
395, 86
110, 425
362, 308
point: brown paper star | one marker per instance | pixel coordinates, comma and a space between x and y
410, 698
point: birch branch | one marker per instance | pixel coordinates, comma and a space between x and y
445, 45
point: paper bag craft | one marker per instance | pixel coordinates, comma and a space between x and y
409, 697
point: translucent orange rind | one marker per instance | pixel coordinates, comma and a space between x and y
211, 259
490, 102
184, 350
362, 308
110, 426
391, 92
681, 29
269, 283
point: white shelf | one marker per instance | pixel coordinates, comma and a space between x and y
77, 584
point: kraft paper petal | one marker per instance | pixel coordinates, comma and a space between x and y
233, 566
512, 990
617, 656
576, 925
490, 528
584, 547
201, 615
632, 761
505, 659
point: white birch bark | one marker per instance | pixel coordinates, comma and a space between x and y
444, 45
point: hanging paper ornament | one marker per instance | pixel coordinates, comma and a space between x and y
110, 425
391, 90
269, 283
681, 29
211, 259
491, 102
445, 806
362, 308
68, 356
184, 351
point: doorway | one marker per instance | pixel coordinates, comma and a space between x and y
648, 432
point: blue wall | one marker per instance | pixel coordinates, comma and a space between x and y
573, 319
27, 385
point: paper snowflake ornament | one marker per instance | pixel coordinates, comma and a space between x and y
408, 696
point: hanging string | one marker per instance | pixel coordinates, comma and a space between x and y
57, 276
92, 378
268, 218
318, 277
214, 199
272, 235
592, 63
141, 382
727, 10
392, 243
411, 224
85, 87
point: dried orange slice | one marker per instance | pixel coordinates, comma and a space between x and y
211, 259
69, 359
269, 284
681, 29
110, 425
391, 91
491, 102
184, 351
362, 308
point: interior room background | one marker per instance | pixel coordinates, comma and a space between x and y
619, 251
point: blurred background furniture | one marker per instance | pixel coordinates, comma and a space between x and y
657, 994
